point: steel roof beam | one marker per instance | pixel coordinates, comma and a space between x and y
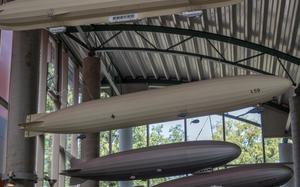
189, 32
182, 53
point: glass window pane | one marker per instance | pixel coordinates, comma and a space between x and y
205, 128
104, 143
139, 137
250, 113
115, 141
272, 149
167, 132
248, 137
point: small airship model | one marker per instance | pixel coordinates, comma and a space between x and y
261, 175
152, 162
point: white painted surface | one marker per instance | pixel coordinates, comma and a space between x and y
145, 107
33, 14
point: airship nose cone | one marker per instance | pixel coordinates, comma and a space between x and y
224, 151
285, 172
235, 150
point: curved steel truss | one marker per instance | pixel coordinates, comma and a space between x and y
263, 50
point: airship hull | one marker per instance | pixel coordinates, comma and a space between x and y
36, 14
152, 106
156, 161
263, 175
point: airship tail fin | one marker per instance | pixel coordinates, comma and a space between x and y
76, 181
75, 167
76, 163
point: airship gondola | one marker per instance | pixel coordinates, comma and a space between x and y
37, 14
158, 105
153, 162
261, 175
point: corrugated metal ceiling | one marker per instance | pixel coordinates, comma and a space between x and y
272, 23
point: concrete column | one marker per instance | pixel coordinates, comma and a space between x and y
125, 144
42, 94
91, 91
58, 160
63, 89
23, 101
126, 134
55, 158
295, 120
286, 156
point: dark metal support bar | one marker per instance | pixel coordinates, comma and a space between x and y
173, 52
179, 43
76, 60
144, 38
189, 32
242, 120
287, 72
73, 55
263, 142
109, 39
185, 129
224, 127
71, 36
277, 106
214, 47
249, 58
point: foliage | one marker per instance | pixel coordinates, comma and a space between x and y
249, 139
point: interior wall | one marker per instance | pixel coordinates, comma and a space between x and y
5, 63
274, 123
3, 123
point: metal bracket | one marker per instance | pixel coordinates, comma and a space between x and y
15, 176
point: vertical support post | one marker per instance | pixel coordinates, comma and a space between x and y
58, 161
55, 159
263, 142
42, 94
63, 88
22, 100
148, 144
110, 142
295, 121
185, 129
148, 135
126, 134
224, 127
91, 90
125, 144
55, 137
286, 156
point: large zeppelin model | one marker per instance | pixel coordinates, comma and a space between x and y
263, 175
146, 107
152, 162
34, 14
